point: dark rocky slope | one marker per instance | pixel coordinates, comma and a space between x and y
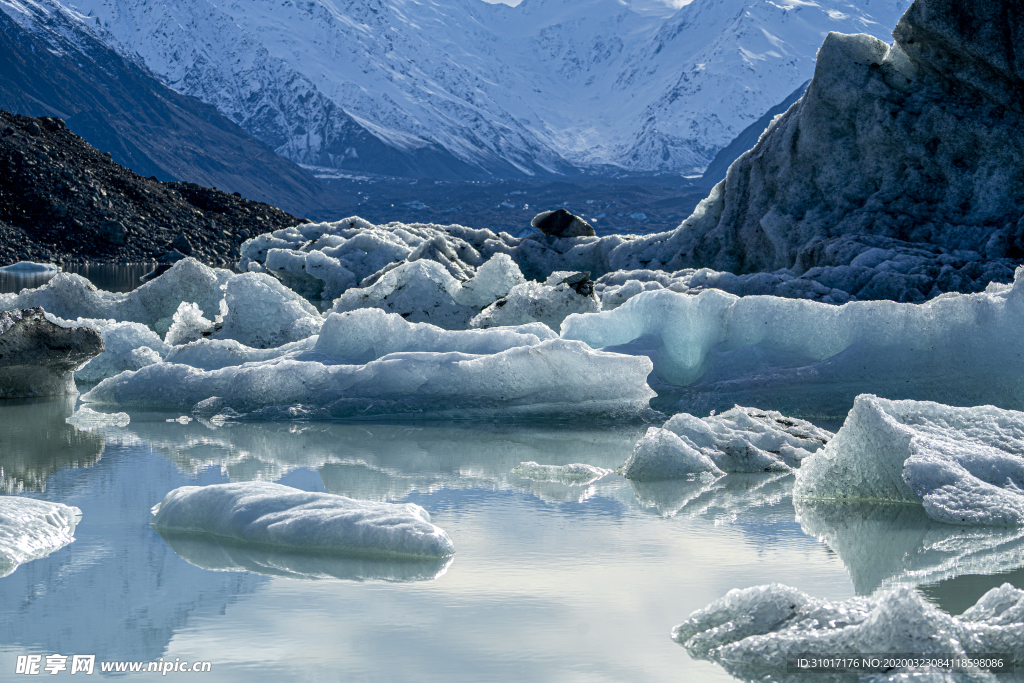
901, 151
53, 64
62, 200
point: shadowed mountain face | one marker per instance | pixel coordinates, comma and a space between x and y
60, 68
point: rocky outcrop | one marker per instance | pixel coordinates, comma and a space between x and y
918, 145
39, 357
63, 200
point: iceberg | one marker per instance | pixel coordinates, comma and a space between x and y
425, 291
738, 440
752, 631
555, 378
574, 474
965, 465
263, 313
30, 529
38, 356
30, 267
222, 555
187, 325
560, 295
280, 516
153, 304
126, 346
809, 358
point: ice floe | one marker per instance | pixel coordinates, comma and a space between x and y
966, 465
738, 440
30, 267
811, 359
153, 304
187, 325
555, 378
574, 474
126, 346
30, 529
281, 516
751, 631
262, 313
562, 294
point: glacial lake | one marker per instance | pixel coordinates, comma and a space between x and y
549, 582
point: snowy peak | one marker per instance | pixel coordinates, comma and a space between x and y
469, 87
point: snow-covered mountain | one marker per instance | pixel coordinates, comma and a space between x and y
455, 87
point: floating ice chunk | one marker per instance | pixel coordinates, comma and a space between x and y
493, 280
213, 354
751, 631
965, 464
281, 516
535, 302
126, 346
886, 545
553, 378
38, 355
366, 334
188, 325
264, 313
748, 439
576, 474
661, 455
87, 418
809, 358
312, 274
30, 267
30, 529
217, 554
153, 304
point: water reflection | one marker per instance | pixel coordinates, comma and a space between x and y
35, 442
889, 545
222, 555
728, 496
110, 277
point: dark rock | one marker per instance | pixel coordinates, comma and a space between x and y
182, 244
561, 223
113, 232
170, 257
580, 282
38, 357
33, 129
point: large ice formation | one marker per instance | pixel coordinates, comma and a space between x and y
966, 465
30, 529
738, 440
808, 358
281, 516
188, 324
223, 555
552, 378
153, 304
751, 631
38, 357
573, 474
886, 545
918, 143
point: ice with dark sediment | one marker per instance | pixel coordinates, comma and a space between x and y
752, 631
738, 440
280, 516
38, 356
965, 465
30, 529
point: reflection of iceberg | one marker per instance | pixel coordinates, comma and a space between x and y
706, 494
889, 545
221, 555
35, 442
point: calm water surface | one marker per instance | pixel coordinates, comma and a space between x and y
549, 582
